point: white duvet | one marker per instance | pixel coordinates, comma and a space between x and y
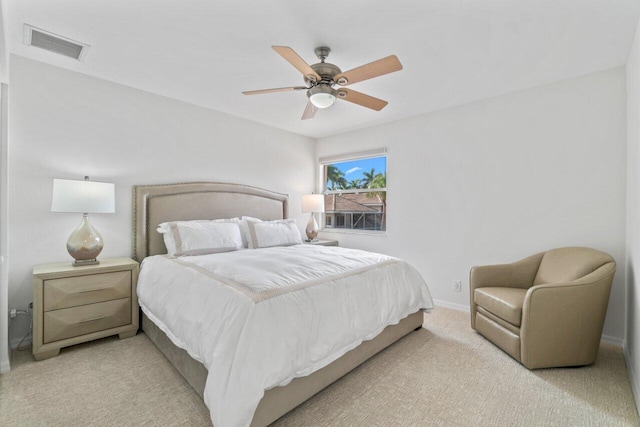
258, 318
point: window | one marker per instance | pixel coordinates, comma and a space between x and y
355, 189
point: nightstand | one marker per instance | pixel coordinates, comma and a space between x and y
72, 305
320, 242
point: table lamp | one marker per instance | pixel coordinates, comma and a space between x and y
312, 203
85, 243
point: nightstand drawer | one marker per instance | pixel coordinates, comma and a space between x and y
81, 290
72, 322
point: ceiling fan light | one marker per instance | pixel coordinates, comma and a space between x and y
322, 96
322, 100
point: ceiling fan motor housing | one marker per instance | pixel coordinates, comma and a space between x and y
326, 71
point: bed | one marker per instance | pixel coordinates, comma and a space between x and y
155, 204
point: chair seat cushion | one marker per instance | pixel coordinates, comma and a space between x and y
506, 303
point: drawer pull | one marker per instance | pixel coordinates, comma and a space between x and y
91, 290
92, 319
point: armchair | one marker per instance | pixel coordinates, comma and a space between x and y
546, 310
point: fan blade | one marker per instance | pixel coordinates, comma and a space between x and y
368, 71
294, 59
279, 89
362, 99
309, 111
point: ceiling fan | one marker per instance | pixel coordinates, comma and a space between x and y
321, 80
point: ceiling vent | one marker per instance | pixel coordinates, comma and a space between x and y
54, 43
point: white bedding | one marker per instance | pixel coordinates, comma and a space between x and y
258, 318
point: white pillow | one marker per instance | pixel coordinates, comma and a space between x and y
201, 237
246, 233
266, 234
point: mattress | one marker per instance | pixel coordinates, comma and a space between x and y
256, 319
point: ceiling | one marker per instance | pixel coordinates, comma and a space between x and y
206, 52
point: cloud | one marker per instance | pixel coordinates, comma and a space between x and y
352, 170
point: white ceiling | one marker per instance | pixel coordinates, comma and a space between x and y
454, 51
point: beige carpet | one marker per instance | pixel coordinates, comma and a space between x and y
445, 374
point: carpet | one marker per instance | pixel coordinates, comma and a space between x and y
444, 374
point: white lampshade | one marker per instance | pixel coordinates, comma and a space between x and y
312, 203
82, 196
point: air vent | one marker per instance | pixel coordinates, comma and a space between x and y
54, 43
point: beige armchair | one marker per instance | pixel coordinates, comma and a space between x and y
546, 310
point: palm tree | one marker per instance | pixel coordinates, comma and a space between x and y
379, 181
368, 178
353, 184
336, 177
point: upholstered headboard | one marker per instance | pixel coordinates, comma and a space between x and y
154, 204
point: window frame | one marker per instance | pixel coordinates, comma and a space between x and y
324, 162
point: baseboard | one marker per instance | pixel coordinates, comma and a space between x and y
4, 366
451, 305
610, 339
633, 378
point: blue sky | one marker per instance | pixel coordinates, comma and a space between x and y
353, 169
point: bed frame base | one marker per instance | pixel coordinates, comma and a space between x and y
280, 400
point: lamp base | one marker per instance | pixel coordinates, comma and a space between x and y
85, 244
312, 228
81, 262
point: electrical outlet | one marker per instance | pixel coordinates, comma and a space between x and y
457, 286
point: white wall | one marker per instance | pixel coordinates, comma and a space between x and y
632, 333
500, 179
67, 125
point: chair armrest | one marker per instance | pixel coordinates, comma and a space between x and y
519, 274
562, 322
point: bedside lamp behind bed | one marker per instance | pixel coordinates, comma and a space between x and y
312, 203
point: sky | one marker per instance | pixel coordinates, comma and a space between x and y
354, 169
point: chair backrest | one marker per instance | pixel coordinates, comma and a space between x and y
568, 264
